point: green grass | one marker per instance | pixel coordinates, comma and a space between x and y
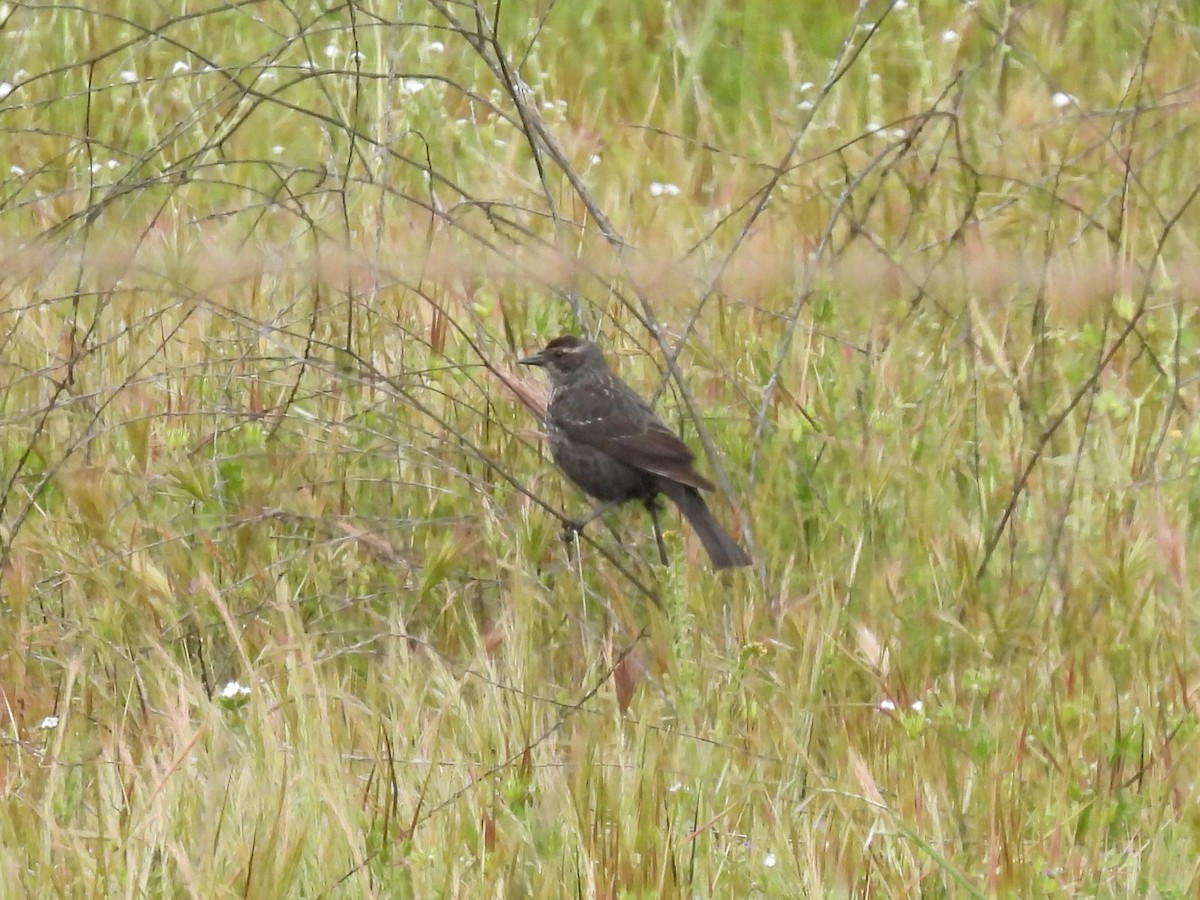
261, 422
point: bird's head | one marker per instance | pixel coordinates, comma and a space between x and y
566, 357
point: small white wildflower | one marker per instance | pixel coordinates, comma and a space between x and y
277, 149
804, 105
48, 723
867, 26
19, 74
357, 56
96, 167
435, 47
111, 164
5, 89
900, 4
548, 105
16, 170
594, 159
805, 86
180, 66
917, 706
887, 706
1062, 99
675, 788
769, 860
208, 68
872, 127
875, 78
331, 51
129, 76
233, 690
412, 85
898, 133
663, 189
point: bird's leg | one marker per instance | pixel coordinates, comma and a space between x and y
653, 506
572, 529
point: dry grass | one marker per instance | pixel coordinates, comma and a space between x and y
929, 284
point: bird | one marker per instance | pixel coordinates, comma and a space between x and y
608, 441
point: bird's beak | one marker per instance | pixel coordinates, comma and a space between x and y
536, 360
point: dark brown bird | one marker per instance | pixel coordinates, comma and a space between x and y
609, 442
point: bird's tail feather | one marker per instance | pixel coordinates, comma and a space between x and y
723, 551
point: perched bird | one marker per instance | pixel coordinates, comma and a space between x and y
608, 441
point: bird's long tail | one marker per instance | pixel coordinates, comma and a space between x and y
723, 551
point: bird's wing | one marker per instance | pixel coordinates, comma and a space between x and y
631, 433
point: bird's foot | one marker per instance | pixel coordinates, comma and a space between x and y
653, 506
571, 531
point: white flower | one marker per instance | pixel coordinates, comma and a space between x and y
949, 36
233, 696
887, 706
277, 149
663, 189
594, 159
5, 89
917, 706
900, 4
413, 85
357, 56
1062, 99
769, 860
804, 105
16, 170
129, 76
435, 47
180, 66
233, 690
872, 127
331, 51
48, 723
111, 164
805, 86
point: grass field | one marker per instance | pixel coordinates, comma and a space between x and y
286, 609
